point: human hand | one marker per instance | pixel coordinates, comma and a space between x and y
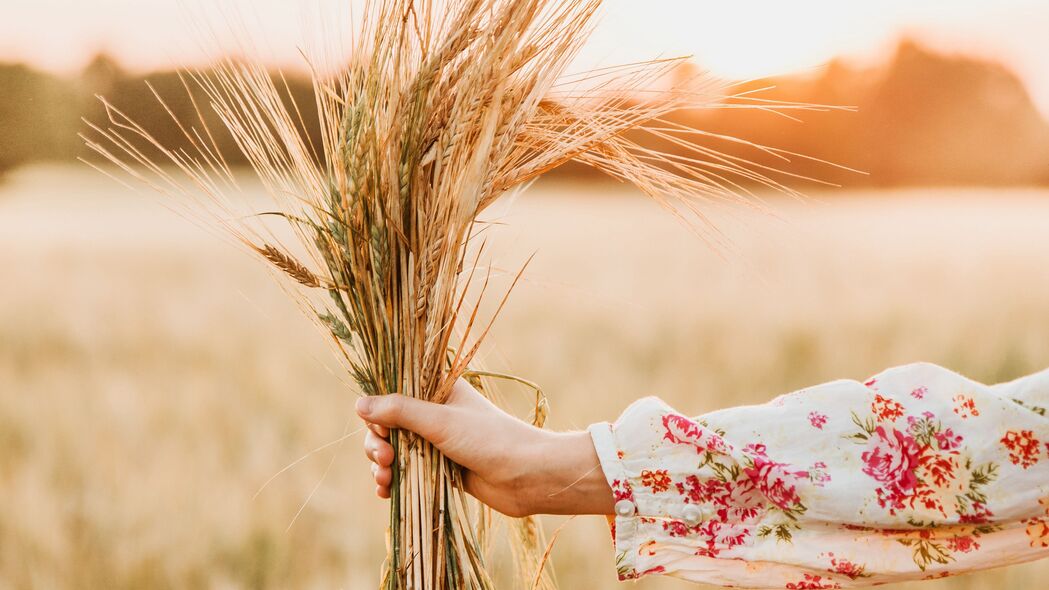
511, 466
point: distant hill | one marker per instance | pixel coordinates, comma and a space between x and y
922, 118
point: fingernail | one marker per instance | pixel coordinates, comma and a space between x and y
364, 405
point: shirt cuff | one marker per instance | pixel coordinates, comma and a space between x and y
619, 465
624, 523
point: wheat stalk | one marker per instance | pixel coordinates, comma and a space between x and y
443, 108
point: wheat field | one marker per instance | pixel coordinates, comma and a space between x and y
153, 378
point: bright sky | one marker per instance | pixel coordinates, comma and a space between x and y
734, 38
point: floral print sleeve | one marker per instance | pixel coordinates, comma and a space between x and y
918, 473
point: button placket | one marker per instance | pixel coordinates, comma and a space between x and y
692, 515
625, 508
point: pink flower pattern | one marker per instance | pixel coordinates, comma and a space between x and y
891, 458
923, 466
812, 582
845, 567
681, 430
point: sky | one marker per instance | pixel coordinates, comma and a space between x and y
731, 38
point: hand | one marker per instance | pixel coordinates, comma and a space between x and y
514, 467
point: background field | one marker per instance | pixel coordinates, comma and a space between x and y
152, 377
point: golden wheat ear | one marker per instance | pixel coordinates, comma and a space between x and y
291, 267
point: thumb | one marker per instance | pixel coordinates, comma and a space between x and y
427, 419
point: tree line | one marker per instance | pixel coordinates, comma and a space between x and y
921, 118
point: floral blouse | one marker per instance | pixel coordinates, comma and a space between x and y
918, 473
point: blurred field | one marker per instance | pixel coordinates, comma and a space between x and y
152, 377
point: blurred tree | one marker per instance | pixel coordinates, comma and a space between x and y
937, 118
38, 114
139, 99
922, 118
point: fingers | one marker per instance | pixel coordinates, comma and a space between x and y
431, 421
380, 430
426, 419
383, 477
378, 449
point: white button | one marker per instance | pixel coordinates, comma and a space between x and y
692, 515
625, 508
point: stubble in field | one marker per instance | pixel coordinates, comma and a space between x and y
153, 378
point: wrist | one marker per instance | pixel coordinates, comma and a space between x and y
564, 476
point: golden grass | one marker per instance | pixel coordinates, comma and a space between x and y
145, 397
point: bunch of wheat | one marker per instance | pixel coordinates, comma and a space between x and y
443, 108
